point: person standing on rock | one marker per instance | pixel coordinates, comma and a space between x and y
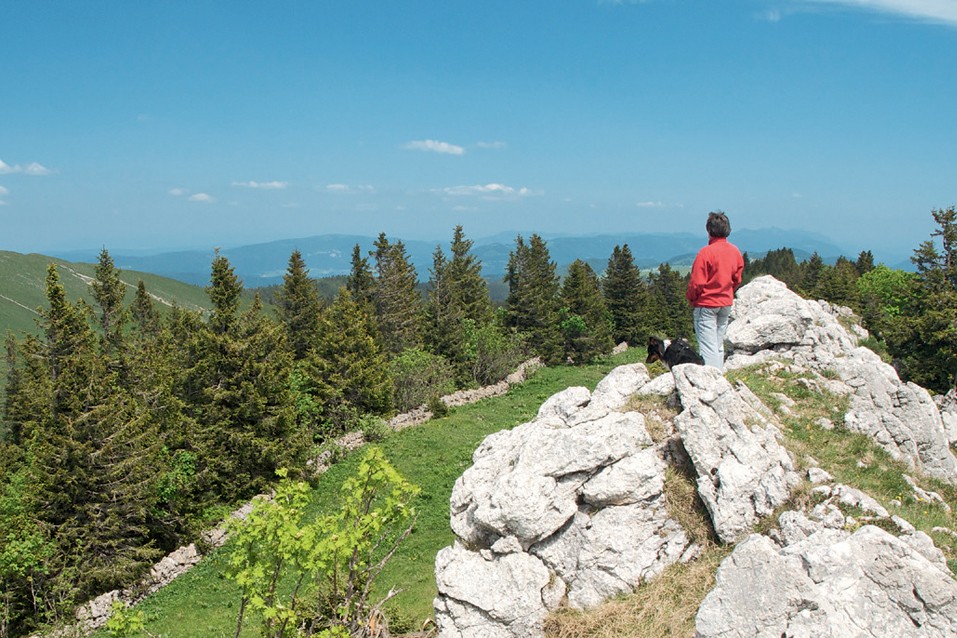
715, 275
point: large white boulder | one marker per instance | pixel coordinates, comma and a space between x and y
830, 583
743, 472
567, 508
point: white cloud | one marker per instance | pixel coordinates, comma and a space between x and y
203, 198
435, 146
274, 185
177, 192
943, 11
650, 205
33, 168
4, 191
496, 144
346, 189
490, 191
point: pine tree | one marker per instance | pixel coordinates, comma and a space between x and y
398, 304
299, 307
587, 323
626, 297
533, 303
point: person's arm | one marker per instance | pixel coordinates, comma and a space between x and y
738, 273
696, 280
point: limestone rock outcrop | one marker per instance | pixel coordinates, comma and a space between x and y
825, 581
743, 472
570, 509
770, 322
566, 508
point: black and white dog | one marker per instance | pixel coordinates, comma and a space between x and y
672, 353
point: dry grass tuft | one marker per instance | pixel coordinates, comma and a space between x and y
664, 607
658, 415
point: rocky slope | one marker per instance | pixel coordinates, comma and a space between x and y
569, 509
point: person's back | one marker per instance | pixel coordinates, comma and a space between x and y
715, 275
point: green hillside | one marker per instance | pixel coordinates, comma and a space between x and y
22, 288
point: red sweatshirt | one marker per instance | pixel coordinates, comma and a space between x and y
715, 275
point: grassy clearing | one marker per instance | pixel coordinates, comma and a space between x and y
203, 604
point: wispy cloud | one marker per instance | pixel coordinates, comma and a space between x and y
177, 192
346, 189
203, 198
3, 192
496, 144
33, 168
274, 185
435, 146
490, 191
650, 205
939, 11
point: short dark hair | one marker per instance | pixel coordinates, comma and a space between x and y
718, 224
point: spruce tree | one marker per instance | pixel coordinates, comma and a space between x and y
865, 262
224, 290
668, 304
398, 304
88, 455
458, 302
533, 302
444, 317
237, 394
361, 283
586, 324
812, 275
299, 307
108, 292
143, 312
626, 297
348, 366
469, 288
924, 336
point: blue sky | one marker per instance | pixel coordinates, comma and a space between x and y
158, 125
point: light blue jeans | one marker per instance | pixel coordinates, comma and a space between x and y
710, 324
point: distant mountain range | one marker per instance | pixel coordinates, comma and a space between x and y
328, 255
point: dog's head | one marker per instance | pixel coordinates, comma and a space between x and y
656, 349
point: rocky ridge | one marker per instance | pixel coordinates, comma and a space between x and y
570, 508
